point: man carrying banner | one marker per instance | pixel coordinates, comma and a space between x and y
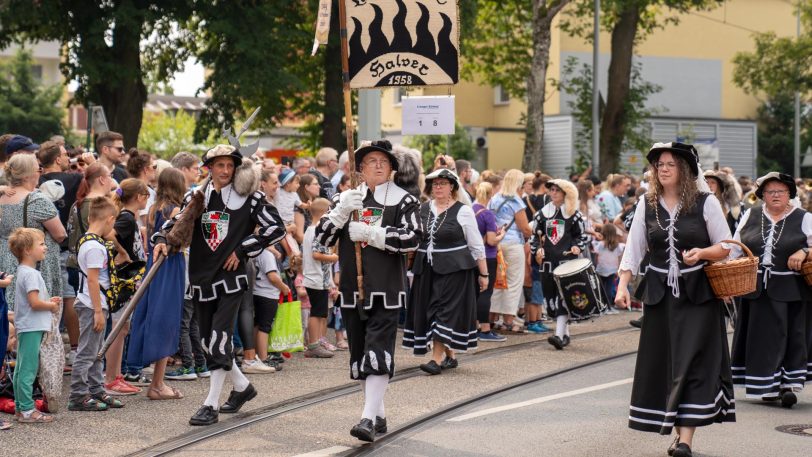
220, 219
388, 227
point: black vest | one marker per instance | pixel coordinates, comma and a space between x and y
690, 231
783, 284
450, 251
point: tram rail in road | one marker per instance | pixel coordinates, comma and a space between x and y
290, 405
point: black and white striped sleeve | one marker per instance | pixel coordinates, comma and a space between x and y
405, 235
327, 233
578, 232
270, 228
537, 239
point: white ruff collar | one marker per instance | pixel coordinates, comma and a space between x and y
230, 197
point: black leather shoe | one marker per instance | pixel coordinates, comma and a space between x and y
788, 399
636, 323
449, 363
364, 431
237, 399
380, 425
682, 450
673, 445
556, 342
431, 368
566, 340
206, 415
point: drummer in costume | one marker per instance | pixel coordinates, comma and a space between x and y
770, 343
682, 378
559, 236
228, 222
449, 269
388, 228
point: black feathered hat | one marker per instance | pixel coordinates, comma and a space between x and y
443, 173
776, 176
686, 151
383, 146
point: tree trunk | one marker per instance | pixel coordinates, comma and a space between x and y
543, 14
613, 123
124, 94
333, 110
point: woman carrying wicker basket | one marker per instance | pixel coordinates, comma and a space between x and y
770, 343
682, 378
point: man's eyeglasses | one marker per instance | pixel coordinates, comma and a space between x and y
776, 193
377, 163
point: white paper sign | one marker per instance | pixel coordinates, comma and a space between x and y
428, 115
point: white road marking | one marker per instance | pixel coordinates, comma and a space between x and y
538, 400
335, 450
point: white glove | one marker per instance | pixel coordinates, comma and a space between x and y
363, 233
349, 201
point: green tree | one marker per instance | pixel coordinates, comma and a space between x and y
776, 133
577, 81
629, 22
509, 46
458, 146
166, 134
26, 106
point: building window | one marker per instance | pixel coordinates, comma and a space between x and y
500, 96
36, 72
399, 93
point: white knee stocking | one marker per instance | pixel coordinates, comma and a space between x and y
561, 327
373, 396
237, 378
216, 381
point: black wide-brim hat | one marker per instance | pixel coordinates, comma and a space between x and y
713, 174
222, 150
686, 151
382, 146
776, 176
443, 173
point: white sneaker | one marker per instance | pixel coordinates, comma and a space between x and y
70, 358
148, 370
612, 311
256, 367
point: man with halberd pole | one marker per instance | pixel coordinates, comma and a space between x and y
220, 219
388, 227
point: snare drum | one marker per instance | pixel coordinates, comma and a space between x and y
579, 288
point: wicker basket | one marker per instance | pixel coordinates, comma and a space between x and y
734, 277
807, 271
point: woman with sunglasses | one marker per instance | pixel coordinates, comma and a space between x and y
682, 377
559, 236
770, 346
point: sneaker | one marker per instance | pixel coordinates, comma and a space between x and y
272, 363
256, 367
316, 351
203, 372
119, 387
327, 345
277, 357
69, 359
137, 379
150, 370
491, 337
612, 311
537, 328
181, 374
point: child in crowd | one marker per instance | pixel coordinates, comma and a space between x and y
87, 380
338, 322
608, 253
317, 271
131, 198
301, 296
267, 289
287, 198
32, 316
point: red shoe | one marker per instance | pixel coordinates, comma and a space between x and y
120, 387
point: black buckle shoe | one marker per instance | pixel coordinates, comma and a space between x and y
566, 340
449, 363
431, 368
788, 398
237, 399
556, 342
682, 450
636, 323
364, 431
380, 425
206, 415
673, 445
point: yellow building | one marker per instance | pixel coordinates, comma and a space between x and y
692, 61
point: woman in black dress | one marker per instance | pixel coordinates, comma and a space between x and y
449, 270
770, 343
682, 378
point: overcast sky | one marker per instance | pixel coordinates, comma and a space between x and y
189, 80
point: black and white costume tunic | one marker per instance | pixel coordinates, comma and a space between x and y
372, 336
770, 350
226, 226
557, 233
442, 300
682, 376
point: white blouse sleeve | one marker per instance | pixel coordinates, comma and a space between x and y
636, 241
806, 226
715, 221
467, 220
735, 250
